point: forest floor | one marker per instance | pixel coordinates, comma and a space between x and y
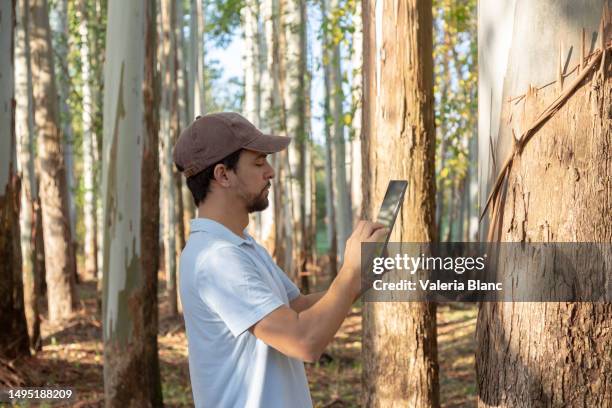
72, 356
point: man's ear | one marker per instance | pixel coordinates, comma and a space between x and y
220, 175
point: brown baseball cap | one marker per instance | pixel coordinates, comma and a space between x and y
212, 137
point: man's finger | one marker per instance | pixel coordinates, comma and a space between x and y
379, 235
370, 227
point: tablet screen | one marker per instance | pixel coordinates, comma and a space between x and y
391, 204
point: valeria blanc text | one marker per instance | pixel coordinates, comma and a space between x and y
426, 284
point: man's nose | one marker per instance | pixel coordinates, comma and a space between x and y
271, 172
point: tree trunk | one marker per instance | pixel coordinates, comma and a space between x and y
131, 212
399, 339
330, 218
269, 107
342, 192
356, 102
557, 189
24, 125
196, 59
59, 16
169, 131
14, 340
295, 105
252, 75
59, 253
89, 200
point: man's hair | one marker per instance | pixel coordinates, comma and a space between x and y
199, 184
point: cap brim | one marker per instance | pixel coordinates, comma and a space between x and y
268, 144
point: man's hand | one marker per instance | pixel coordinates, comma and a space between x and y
365, 231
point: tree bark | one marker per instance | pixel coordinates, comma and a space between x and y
14, 340
342, 192
59, 15
269, 108
169, 131
131, 212
89, 200
60, 259
399, 339
295, 104
24, 126
356, 102
330, 218
557, 189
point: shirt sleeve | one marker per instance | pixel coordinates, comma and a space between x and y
290, 288
230, 283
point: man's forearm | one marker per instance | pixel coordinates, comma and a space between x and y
321, 321
304, 302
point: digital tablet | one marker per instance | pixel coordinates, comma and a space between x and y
394, 197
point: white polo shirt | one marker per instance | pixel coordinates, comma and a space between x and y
227, 284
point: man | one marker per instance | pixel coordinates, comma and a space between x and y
249, 329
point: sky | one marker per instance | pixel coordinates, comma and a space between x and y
231, 59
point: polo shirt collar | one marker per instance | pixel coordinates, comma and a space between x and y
219, 230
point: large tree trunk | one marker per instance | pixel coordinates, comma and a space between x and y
14, 339
399, 339
89, 199
24, 125
131, 212
59, 253
556, 189
169, 129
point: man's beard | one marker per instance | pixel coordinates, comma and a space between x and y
259, 202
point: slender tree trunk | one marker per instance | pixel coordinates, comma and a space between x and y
399, 339
342, 192
59, 253
557, 189
98, 48
169, 130
59, 15
295, 105
14, 340
249, 16
131, 212
24, 125
330, 219
269, 109
89, 199
196, 59
356, 102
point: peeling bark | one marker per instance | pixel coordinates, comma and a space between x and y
557, 189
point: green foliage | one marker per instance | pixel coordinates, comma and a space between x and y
222, 19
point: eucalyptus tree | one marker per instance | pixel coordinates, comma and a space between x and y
399, 338
14, 341
60, 261
30, 215
130, 190
544, 142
